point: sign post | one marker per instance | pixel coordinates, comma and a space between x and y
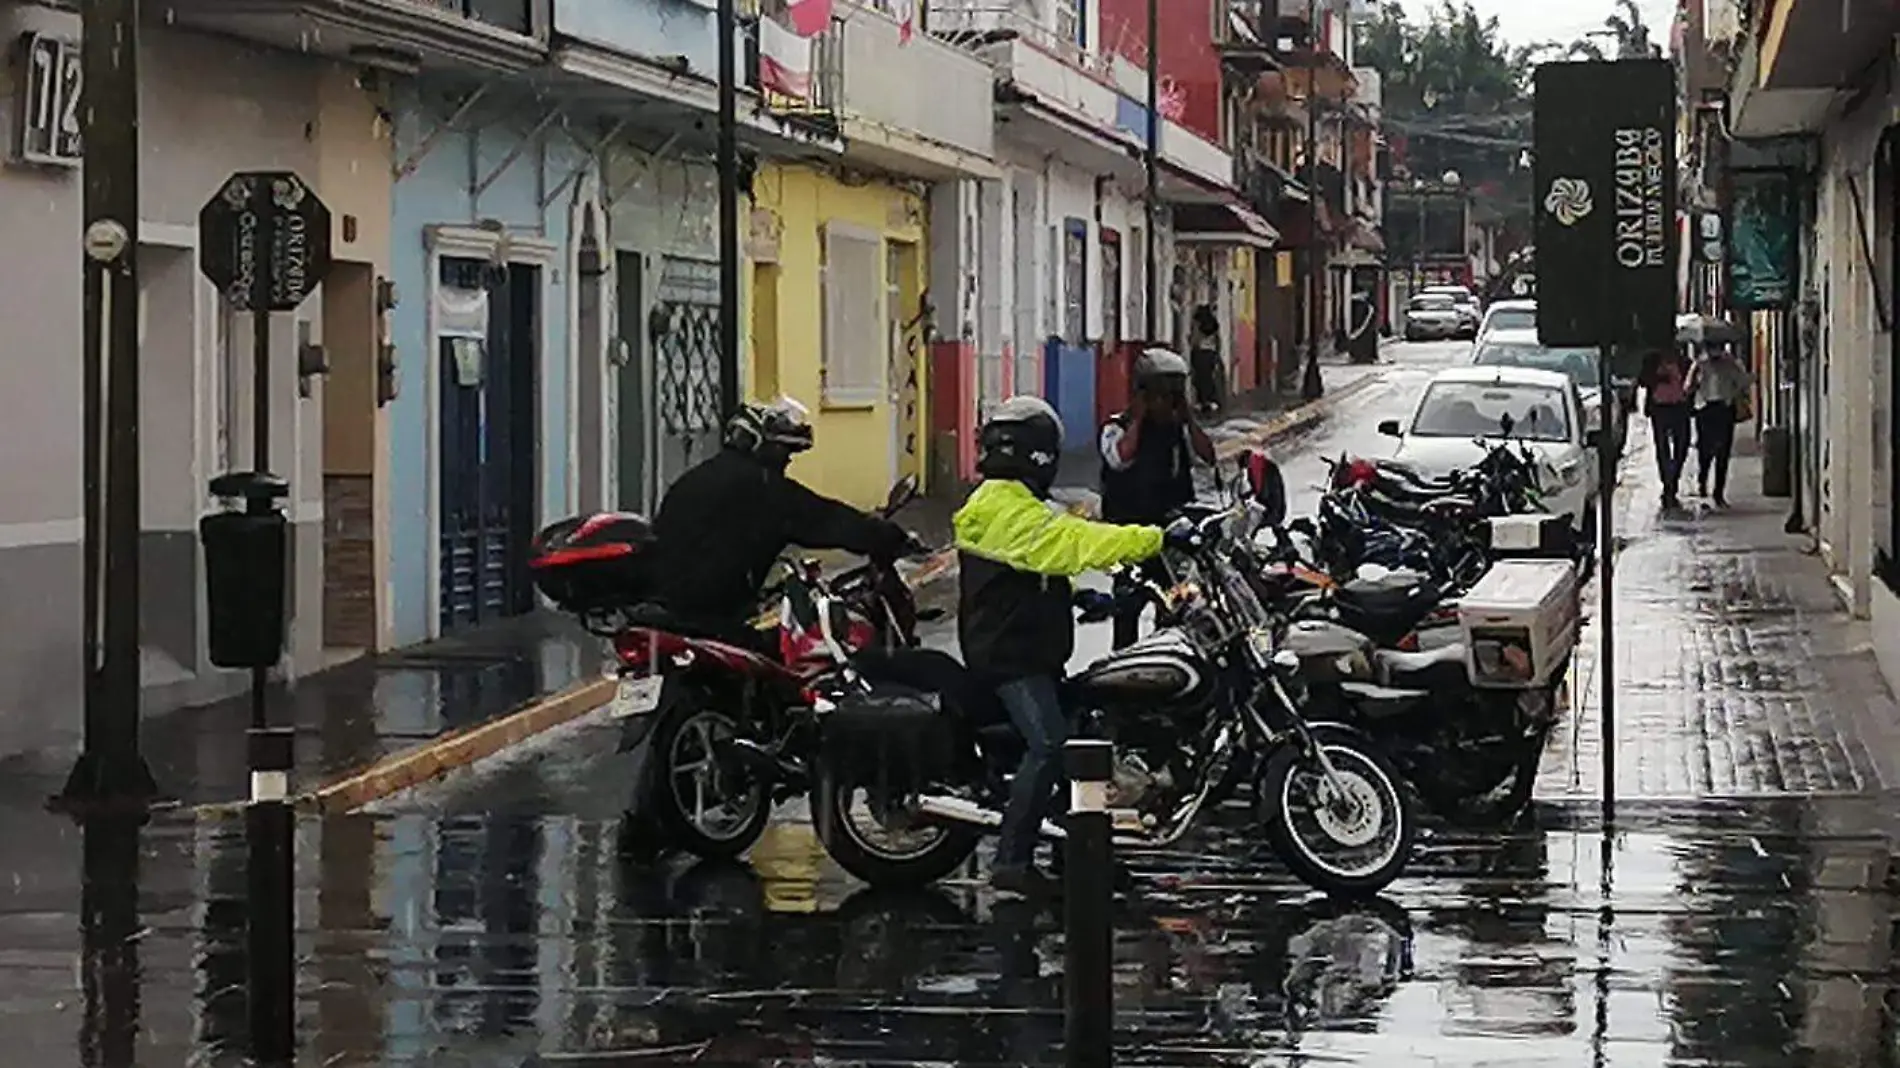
265, 243
1606, 262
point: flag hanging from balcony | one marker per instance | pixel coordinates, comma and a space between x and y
784, 60
905, 12
808, 18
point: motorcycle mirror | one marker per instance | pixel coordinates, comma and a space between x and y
904, 492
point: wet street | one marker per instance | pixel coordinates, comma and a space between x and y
1739, 912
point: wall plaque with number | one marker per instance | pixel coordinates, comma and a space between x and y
52, 82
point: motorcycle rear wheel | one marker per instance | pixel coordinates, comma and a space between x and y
1377, 796
685, 762
839, 808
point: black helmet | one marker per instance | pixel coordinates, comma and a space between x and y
772, 432
1161, 368
1022, 439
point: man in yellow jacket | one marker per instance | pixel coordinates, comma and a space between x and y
1017, 551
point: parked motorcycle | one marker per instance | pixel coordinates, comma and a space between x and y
730, 727
905, 792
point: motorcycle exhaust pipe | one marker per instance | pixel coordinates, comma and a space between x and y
759, 758
958, 810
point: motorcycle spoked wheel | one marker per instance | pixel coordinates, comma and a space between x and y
1378, 809
693, 779
867, 844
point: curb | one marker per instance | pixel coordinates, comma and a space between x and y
1294, 419
437, 757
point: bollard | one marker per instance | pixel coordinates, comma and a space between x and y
271, 928
1088, 915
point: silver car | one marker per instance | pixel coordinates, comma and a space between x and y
1433, 317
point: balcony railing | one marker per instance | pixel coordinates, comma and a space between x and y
818, 112
515, 16
973, 22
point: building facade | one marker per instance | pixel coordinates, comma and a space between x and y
1811, 102
271, 109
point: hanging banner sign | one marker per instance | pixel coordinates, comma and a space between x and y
1606, 202
1764, 219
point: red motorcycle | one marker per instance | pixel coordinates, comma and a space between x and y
731, 727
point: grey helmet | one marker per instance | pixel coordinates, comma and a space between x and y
1021, 440
1155, 366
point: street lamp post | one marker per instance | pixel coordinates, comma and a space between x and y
728, 153
1311, 386
1151, 159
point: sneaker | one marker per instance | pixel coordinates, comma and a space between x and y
1721, 500
1024, 882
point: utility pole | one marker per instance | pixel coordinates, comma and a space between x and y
111, 768
728, 23
1311, 387
1152, 160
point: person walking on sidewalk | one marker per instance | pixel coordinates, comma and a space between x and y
1719, 387
1204, 349
1148, 455
1016, 553
1665, 382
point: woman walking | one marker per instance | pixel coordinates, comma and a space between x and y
1204, 356
1719, 387
1665, 382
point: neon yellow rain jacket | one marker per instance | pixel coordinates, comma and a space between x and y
1016, 554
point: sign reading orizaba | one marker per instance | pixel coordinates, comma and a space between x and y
1606, 202
264, 240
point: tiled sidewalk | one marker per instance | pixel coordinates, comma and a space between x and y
1737, 671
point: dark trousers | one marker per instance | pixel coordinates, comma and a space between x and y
1128, 611
1208, 376
1714, 441
1035, 710
1670, 425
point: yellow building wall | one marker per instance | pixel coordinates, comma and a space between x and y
861, 449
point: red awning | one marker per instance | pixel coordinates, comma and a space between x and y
1223, 224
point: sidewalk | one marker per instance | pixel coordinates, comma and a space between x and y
1737, 671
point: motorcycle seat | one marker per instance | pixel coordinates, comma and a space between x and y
1434, 669
1383, 611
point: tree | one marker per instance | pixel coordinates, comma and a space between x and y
1456, 98
1626, 27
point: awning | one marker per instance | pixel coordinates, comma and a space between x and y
1222, 224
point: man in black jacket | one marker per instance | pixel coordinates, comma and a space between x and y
1148, 455
724, 523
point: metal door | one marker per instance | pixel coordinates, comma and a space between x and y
632, 419
486, 387
683, 330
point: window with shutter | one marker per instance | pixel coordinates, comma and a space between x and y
853, 316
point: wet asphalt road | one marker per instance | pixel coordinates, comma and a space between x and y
1740, 918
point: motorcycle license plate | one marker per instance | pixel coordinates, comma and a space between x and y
636, 697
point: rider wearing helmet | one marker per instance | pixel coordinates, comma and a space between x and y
724, 523
1017, 552
1148, 455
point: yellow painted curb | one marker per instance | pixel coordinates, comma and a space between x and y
438, 756
1296, 418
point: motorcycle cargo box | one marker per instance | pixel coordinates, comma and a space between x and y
1519, 537
594, 562
1520, 622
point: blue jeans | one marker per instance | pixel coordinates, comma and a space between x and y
1035, 710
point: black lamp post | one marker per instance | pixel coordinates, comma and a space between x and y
1311, 386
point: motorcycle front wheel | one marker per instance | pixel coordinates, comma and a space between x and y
878, 840
709, 802
1352, 843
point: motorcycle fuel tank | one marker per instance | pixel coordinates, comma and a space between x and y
1163, 667
1328, 652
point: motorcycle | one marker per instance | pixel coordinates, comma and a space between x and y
904, 792
729, 726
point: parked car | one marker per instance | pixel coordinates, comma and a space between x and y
1520, 348
1470, 312
1464, 409
1508, 315
1432, 317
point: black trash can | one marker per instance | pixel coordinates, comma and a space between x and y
1777, 462
246, 557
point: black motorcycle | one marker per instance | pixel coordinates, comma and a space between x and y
905, 790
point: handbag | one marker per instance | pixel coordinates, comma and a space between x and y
1744, 408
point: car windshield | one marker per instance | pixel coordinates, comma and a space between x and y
1512, 319
1579, 364
1483, 409
1431, 304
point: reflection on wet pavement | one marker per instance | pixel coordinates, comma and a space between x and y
498, 918
1740, 934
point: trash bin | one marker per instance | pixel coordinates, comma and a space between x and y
1777, 462
246, 554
